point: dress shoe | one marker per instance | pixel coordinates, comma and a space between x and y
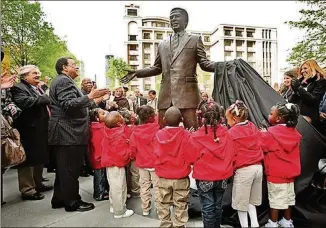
44, 179
35, 196
58, 205
44, 188
80, 206
102, 197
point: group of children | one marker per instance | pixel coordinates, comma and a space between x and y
221, 148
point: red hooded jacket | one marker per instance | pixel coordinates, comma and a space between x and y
115, 148
142, 144
174, 153
281, 145
215, 158
95, 144
247, 145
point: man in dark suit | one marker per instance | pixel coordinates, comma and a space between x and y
32, 125
139, 101
69, 134
177, 59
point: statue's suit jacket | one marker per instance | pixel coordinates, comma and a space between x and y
179, 84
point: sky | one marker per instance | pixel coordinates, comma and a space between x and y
94, 29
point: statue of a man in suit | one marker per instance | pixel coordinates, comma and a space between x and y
177, 60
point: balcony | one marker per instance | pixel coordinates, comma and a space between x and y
240, 49
133, 62
133, 52
251, 49
147, 51
228, 48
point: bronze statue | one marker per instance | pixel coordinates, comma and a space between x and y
177, 60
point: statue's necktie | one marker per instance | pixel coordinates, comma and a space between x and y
174, 43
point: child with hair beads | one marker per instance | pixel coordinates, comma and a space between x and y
211, 171
142, 144
281, 144
116, 154
172, 165
132, 172
247, 182
100, 182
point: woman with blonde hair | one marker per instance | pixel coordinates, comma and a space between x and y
309, 89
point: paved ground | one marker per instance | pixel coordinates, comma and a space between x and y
18, 213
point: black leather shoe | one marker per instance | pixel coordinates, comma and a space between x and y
35, 196
44, 188
81, 206
102, 197
58, 205
44, 179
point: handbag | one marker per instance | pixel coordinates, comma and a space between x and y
12, 151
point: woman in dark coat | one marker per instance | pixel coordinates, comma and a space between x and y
308, 90
32, 125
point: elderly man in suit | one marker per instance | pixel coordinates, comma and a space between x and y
32, 125
177, 59
69, 134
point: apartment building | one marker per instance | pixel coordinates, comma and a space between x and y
256, 45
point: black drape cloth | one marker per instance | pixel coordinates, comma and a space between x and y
237, 80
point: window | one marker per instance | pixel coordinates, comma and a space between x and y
238, 33
133, 57
147, 87
147, 65
133, 47
132, 37
159, 36
147, 46
269, 34
207, 39
228, 53
227, 42
147, 36
250, 34
239, 43
134, 87
251, 55
145, 24
133, 67
251, 44
227, 32
147, 56
239, 54
132, 12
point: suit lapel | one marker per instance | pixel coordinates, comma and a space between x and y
184, 40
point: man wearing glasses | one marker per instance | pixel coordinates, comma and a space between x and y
69, 134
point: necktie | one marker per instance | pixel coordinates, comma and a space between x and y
174, 43
40, 92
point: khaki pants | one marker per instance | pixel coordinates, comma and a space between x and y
133, 179
146, 179
118, 189
173, 192
29, 178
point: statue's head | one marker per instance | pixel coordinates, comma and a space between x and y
178, 19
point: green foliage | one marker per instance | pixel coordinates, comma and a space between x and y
158, 80
313, 44
204, 79
117, 69
30, 37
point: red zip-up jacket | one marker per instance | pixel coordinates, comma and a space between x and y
247, 145
115, 148
95, 144
174, 153
214, 158
142, 144
281, 146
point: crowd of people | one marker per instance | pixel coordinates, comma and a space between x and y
117, 137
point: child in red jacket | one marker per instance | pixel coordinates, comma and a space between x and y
172, 165
248, 177
116, 155
281, 144
100, 182
215, 150
132, 172
142, 144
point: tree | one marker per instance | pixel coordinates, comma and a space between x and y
117, 69
29, 37
313, 44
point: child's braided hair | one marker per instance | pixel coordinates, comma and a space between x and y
289, 113
240, 110
210, 111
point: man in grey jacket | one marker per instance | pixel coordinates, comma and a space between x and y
69, 134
